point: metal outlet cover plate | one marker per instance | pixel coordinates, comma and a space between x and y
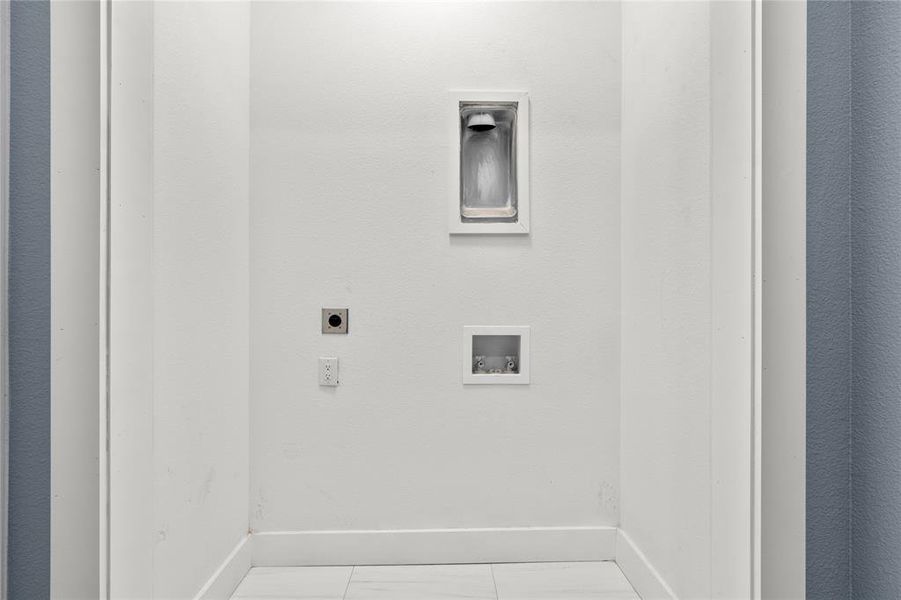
334, 320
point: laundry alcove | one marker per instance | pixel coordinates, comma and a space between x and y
271, 160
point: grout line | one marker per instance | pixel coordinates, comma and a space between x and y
494, 581
349, 578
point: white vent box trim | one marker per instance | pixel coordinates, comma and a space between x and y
512, 215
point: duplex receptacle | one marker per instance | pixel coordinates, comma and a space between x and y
328, 371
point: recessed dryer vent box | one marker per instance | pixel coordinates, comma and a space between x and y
489, 162
496, 355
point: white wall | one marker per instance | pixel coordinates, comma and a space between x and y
666, 303
687, 296
180, 299
349, 177
201, 339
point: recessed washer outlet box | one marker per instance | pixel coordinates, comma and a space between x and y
496, 354
489, 162
334, 320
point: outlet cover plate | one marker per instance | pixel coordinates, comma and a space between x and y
328, 371
334, 320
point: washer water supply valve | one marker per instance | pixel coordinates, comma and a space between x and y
480, 367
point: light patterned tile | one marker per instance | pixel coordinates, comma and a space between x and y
562, 581
294, 583
422, 582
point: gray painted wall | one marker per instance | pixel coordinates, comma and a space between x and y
854, 300
29, 302
875, 300
828, 304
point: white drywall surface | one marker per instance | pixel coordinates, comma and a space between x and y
666, 290
200, 290
349, 176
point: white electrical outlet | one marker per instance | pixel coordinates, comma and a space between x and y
328, 371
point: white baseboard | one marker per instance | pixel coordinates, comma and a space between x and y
436, 546
433, 546
640, 573
230, 573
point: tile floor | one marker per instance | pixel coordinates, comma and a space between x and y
532, 581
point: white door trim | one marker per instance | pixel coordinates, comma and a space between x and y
129, 304
783, 276
104, 283
735, 365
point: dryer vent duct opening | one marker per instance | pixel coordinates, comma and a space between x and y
481, 122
